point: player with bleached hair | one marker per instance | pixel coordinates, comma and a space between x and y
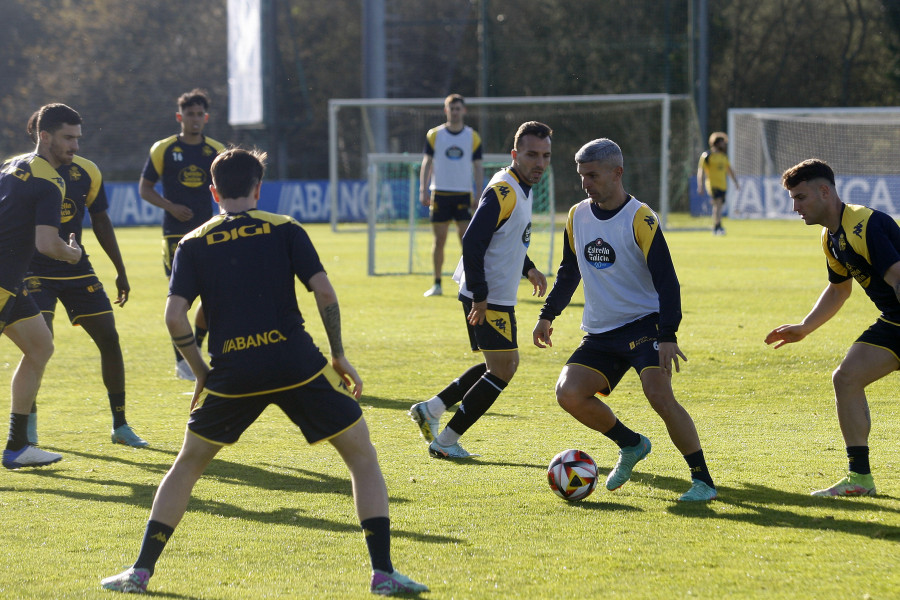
864, 244
243, 264
632, 309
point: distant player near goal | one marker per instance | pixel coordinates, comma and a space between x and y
863, 244
452, 151
713, 171
261, 355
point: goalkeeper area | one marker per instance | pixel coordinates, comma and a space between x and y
862, 145
381, 141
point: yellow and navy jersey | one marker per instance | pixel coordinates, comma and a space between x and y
625, 262
864, 247
242, 266
184, 170
715, 165
84, 192
31, 193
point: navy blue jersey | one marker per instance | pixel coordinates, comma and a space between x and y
84, 192
242, 266
864, 247
184, 170
31, 193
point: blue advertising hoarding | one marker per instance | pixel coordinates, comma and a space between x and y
764, 198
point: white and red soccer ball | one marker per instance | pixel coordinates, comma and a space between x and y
572, 475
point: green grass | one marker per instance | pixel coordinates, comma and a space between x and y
273, 518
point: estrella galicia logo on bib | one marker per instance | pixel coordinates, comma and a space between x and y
454, 153
600, 254
526, 235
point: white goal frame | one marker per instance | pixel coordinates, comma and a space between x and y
758, 162
375, 160
336, 104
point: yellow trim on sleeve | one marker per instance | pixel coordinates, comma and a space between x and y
158, 152
93, 172
645, 225
506, 196
431, 136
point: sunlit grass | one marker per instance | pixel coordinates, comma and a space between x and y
273, 518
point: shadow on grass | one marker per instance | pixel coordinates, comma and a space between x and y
599, 503
302, 480
771, 507
172, 595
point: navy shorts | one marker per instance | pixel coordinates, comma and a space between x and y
718, 195
612, 353
322, 407
882, 334
497, 332
169, 245
82, 296
16, 305
450, 206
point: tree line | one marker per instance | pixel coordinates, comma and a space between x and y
123, 63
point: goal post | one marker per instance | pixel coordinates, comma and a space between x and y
657, 132
862, 145
399, 234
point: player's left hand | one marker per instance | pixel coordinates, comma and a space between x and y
541, 334
123, 289
669, 353
539, 281
348, 374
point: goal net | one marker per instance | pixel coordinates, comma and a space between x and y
657, 132
862, 145
399, 230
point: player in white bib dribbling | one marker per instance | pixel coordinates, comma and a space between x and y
632, 309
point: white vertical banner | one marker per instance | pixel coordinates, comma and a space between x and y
245, 72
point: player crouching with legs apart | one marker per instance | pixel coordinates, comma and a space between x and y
613, 243
260, 258
864, 244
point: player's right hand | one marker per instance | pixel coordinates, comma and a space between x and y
181, 212
425, 198
73, 244
348, 375
786, 334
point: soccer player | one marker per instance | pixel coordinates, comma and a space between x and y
494, 260
242, 265
445, 179
863, 244
31, 194
713, 170
632, 309
79, 289
182, 162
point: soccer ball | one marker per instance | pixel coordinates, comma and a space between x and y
572, 474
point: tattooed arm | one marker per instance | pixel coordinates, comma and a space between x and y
326, 300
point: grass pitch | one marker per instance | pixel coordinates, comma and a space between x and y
273, 518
